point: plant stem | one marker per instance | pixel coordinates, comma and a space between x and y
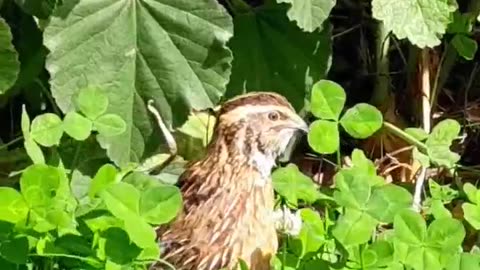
339, 158
405, 136
426, 119
382, 83
4, 146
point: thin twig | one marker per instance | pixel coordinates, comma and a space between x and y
6, 145
396, 152
346, 31
172, 145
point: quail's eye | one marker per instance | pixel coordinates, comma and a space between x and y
273, 116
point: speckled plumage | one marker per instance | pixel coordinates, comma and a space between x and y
228, 195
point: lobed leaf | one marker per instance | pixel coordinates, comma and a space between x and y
423, 22
443, 133
172, 51
309, 14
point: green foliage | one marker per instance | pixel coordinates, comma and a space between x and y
436, 145
310, 14
471, 209
86, 69
46, 219
9, 65
328, 99
368, 223
290, 69
427, 20
461, 27
188, 55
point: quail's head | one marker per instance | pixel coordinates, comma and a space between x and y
258, 124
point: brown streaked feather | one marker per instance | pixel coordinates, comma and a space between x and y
227, 214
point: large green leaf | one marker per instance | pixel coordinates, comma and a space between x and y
9, 64
423, 22
171, 51
273, 54
309, 14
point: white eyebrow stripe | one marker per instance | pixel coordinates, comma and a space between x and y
245, 110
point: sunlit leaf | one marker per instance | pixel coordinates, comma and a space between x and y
328, 99
103, 179
92, 102
122, 200
418, 133
388, 200
324, 137
171, 51
410, 227
47, 129
309, 14
362, 120
472, 214
13, 207
312, 234
446, 233
160, 204
77, 126
423, 22
354, 227
294, 185
109, 125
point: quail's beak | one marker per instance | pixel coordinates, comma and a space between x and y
299, 124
